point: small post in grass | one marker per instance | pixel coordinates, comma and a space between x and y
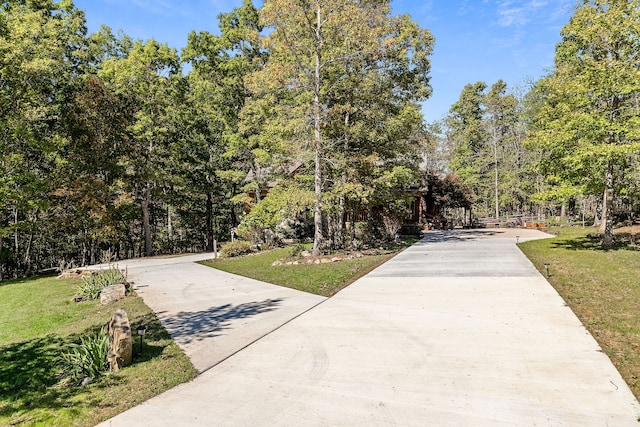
142, 329
546, 267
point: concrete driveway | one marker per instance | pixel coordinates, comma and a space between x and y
211, 314
458, 330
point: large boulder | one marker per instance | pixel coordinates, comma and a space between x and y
120, 340
113, 293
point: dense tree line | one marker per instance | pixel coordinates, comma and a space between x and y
115, 148
110, 149
571, 141
484, 137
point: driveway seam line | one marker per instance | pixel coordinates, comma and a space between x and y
261, 337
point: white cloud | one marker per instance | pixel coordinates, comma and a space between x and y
513, 13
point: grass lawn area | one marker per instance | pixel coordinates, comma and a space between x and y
319, 279
601, 287
38, 320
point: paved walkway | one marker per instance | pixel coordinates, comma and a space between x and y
460, 329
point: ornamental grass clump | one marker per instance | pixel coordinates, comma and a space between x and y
86, 360
92, 284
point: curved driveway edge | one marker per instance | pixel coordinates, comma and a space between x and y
459, 329
211, 314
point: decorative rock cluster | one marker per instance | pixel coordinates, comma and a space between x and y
308, 259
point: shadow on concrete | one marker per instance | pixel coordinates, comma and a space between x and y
197, 325
456, 235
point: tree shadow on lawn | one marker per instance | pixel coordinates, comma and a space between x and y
30, 379
197, 325
31, 374
155, 339
593, 242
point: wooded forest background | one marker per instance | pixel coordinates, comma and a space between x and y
115, 148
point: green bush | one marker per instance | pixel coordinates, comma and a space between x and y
91, 285
88, 359
296, 251
236, 248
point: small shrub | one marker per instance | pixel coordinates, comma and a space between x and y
92, 284
392, 225
296, 251
251, 229
236, 248
88, 359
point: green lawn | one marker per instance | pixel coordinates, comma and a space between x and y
601, 287
320, 279
38, 318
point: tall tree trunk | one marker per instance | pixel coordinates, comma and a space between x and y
1, 259
84, 249
602, 225
495, 169
607, 218
209, 222
232, 210
27, 252
146, 223
597, 219
169, 226
318, 238
16, 243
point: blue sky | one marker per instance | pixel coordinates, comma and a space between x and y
476, 40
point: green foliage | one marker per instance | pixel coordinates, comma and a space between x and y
485, 135
587, 119
88, 358
92, 284
296, 250
282, 211
108, 147
89, 288
39, 43
149, 79
236, 248
448, 191
32, 340
340, 90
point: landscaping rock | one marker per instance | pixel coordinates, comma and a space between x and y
112, 293
73, 273
120, 340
